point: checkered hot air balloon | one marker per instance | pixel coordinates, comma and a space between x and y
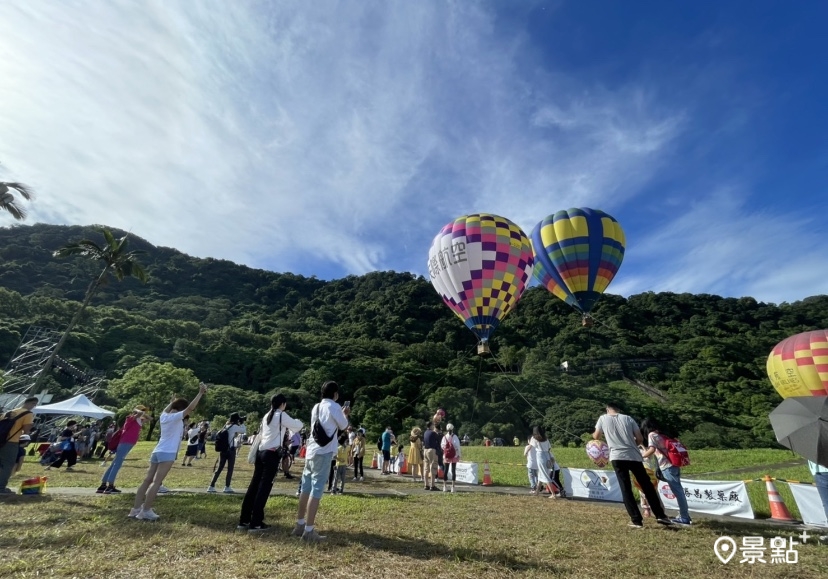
798, 366
480, 264
577, 253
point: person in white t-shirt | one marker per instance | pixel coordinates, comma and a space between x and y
164, 454
327, 419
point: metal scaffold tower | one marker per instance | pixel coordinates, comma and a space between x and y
27, 363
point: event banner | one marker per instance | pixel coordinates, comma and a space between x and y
467, 473
599, 485
809, 503
711, 497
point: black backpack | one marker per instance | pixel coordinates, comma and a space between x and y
7, 423
379, 443
223, 440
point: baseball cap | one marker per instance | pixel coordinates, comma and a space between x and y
25, 438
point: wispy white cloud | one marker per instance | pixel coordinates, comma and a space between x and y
265, 134
720, 245
269, 132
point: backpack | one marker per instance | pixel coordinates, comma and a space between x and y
676, 453
320, 437
379, 443
449, 452
6, 425
113, 443
222, 440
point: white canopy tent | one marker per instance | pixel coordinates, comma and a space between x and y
80, 405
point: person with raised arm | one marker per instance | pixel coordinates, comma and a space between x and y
164, 455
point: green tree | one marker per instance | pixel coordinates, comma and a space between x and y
9, 203
117, 261
153, 385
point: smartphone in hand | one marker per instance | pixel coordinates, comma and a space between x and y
347, 404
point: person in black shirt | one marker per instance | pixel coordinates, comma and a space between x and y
67, 446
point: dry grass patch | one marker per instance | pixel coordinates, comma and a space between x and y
433, 535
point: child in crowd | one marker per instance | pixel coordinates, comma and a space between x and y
192, 445
531, 466
342, 456
400, 460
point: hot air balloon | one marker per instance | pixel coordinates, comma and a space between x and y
798, 366
480, 265
577, 253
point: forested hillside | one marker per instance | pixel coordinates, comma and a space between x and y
695, 361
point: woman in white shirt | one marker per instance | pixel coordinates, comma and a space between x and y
268, 458
543, 456
164, 455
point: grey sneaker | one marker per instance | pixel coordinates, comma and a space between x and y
298, 530
313, 537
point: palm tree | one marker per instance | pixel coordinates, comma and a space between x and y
117, 261
9, 203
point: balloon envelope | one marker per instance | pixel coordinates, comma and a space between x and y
798, 366
577, 253
598, 452
480, 265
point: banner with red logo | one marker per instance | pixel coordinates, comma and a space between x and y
711, 497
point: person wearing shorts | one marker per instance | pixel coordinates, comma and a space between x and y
331, 418
164, 454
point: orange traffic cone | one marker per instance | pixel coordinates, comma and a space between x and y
440, 472
404, 469
374, 461
779, 512
487, 476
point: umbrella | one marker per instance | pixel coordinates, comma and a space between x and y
801, 424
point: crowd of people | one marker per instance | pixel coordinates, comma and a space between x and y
332, 447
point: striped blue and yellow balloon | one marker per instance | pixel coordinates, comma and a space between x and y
577, 253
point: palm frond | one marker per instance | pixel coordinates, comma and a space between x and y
25, 191
83, 248
16, 211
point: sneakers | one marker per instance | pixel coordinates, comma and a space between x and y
258, 528
70, 469
243, 527
362, 478
355, 478
147, 516
228, 490
163, 490
664, 521
298, 530
636, 525
211, 489
111, 490
102, 488
289, 476
313, 537
133, 513
681, 521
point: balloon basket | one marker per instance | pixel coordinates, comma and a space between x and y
587, 322
483, 348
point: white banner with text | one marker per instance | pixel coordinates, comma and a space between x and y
599, 485
466, 472
810, 505
711, 497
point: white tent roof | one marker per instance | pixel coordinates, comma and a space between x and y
80, 405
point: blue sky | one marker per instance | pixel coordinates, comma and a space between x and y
329, 138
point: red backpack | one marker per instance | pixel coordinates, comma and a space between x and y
449, 452
113, 443
676, 453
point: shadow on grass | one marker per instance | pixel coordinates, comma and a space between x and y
220, 515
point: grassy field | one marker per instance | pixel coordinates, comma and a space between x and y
431, 535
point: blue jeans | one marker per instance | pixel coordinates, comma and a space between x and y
672, 476
117, 462
821, 483
533, 478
